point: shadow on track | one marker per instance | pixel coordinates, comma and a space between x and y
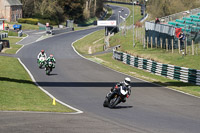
122, 107
107, 84
16, 80
94, 84
52, 74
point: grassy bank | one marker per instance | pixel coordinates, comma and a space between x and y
13, 47
91, 44
25, 26
107, 60
17, 91
159, 55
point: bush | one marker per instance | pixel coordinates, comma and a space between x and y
28, 21
32, 21
35, 21
21, 20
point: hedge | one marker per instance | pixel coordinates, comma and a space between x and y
35, 21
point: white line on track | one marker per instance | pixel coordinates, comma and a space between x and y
23, 39
50, 95
35, 112
19, 49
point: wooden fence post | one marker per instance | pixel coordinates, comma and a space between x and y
192, 47
161, 43
151, 42
136, 33
172, 45
186, 46
156, 41
166, 44
179, 48
141, 38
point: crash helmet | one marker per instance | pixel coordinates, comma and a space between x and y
51, 56
127, 81
42, 51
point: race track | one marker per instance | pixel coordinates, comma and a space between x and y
83, 84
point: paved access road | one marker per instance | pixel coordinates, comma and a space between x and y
83, 84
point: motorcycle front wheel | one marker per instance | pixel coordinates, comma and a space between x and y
114, 101
40, 65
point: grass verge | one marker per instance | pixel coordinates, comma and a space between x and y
83, 45
108, 61
90, 44
25, 26
17, 91
13, 46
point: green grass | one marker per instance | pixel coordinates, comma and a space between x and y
137, 13
27, 26
159, 55
18, 92
94, 42
142, 74
107, 60
13, 46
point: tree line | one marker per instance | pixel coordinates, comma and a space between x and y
60, 10
161, 8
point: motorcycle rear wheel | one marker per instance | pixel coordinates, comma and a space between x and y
105, 103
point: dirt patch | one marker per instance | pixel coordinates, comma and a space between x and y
90, 50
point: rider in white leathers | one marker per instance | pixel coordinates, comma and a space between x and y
42, 54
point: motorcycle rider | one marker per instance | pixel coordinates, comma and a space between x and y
42, 54
51, 59
126, 84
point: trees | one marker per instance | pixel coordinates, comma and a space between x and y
58, 10
160, 8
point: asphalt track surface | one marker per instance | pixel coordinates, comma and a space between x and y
83, 84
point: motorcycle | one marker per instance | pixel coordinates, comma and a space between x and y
41, 62
117, 96
49, 67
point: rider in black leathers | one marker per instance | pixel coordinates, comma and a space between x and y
125, 84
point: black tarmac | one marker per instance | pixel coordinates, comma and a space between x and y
84, 84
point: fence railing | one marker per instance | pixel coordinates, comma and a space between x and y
183, 74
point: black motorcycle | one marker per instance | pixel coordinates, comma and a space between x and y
115, 97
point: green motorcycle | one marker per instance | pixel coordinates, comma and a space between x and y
49, 67
41, 62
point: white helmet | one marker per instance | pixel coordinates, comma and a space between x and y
127, 81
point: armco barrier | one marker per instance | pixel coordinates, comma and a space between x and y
183, 74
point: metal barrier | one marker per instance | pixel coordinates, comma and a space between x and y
183, 74
3, 35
